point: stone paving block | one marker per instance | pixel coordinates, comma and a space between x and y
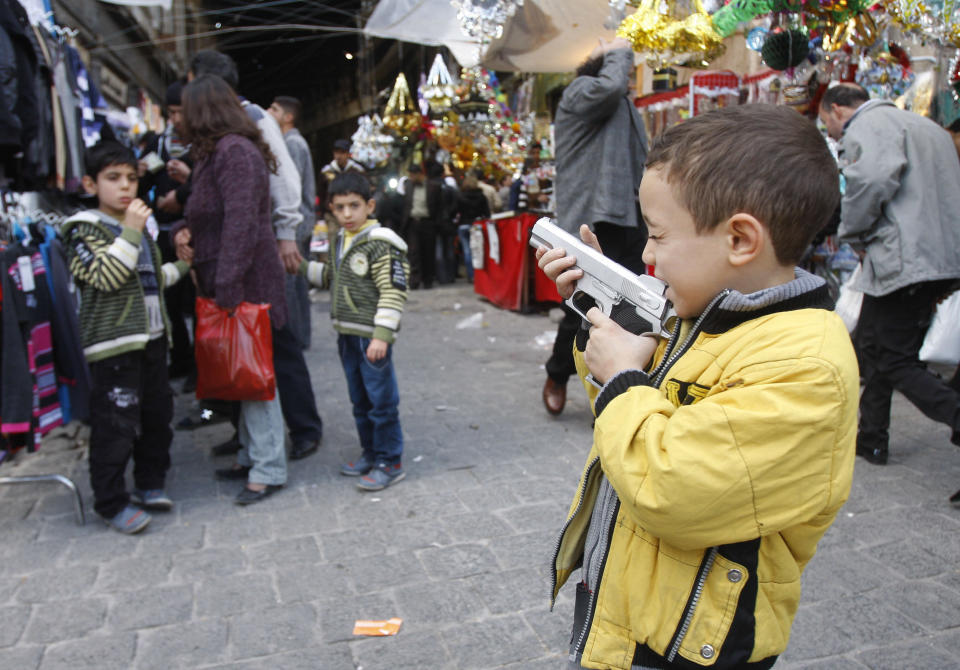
948, 641
515, 551
435, 605
21, 657
14, 620
509, 591
525, 518
210, 510
918, 655
151, 607
458, 561
65, 620
474, 527
552, 628
337, 616
911, 559
291, 497
186, 645
307, 520
94, 652
272, 631
284, 553
413, 535
329, 657
489, 498
196, 565
868, 621
237, 530
377, 573
171, 539
98, 549
25, 558
54, 585
404, 651
8, 586
925, 602
835, 573
234, 594
492, 642
835, 663
816, 634
321, 581
130, 574
17, 533
343, 545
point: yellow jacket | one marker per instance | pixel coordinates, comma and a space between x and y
729, 460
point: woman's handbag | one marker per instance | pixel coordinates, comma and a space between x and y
234, 352
942, 342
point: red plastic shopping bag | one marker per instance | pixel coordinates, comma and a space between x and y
234, 352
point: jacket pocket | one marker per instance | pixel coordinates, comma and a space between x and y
884, 253
126, 312
714, 612
349, 300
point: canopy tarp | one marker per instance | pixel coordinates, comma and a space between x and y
543, 35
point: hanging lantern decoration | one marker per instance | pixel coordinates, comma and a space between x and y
484, 19
371, 144
785, 48
660, 29
401, 115
438, 89
934, 19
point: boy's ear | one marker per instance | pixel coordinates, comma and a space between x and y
89, 185
371, 206
746, 238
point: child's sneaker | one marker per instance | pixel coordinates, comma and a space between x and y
381, 477
156, 499
359, 467
129, 521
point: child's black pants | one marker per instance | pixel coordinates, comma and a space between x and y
130, 413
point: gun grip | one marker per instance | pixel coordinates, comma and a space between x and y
626, 315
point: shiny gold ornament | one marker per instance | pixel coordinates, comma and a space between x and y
400, 114
657, 29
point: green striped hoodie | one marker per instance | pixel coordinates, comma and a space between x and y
113, 313
368, 283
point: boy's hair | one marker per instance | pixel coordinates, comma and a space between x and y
290, 105
764, 160
104, 154
349, 183
844, 95
210, 61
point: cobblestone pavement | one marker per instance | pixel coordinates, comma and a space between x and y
459, 550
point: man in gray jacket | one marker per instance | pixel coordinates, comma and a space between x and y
601, 145
901, 211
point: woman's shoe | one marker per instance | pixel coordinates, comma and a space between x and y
248, 496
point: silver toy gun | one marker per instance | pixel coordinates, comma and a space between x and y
636, 302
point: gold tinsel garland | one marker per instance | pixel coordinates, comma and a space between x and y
656, 30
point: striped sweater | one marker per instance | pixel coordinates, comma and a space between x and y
113, 312
368, 283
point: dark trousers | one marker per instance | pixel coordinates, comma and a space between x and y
179, 300
619, 243
421, 237
297, 401
131, 407
375, 397
890, 333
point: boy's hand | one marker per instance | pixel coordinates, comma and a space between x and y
136, 215
168, 203
556, 264
178, 171
611, 349
376, 350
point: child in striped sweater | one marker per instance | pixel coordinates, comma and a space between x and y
367, 276
126, 335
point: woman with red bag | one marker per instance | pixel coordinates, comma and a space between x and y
235, 255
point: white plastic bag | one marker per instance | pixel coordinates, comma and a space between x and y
942, 342
850, 301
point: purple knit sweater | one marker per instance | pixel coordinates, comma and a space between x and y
228, 214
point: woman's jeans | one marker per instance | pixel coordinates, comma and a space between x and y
261, 441
375, 397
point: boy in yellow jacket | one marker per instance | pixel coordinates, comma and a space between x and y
721, 456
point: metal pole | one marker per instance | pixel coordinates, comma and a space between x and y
59, 479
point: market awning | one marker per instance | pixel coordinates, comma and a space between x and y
543, 35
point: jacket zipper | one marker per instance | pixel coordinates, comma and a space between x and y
692, 605
668, 361
556, 551
588, 619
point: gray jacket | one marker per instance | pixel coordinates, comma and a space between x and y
601, 146
902, 201
300, 154
285, 183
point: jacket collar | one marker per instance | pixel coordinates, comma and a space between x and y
868, 105
806, 291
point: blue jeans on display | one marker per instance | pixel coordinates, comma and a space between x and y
375, 397
261, 439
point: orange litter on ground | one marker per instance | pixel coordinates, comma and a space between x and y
377, 628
